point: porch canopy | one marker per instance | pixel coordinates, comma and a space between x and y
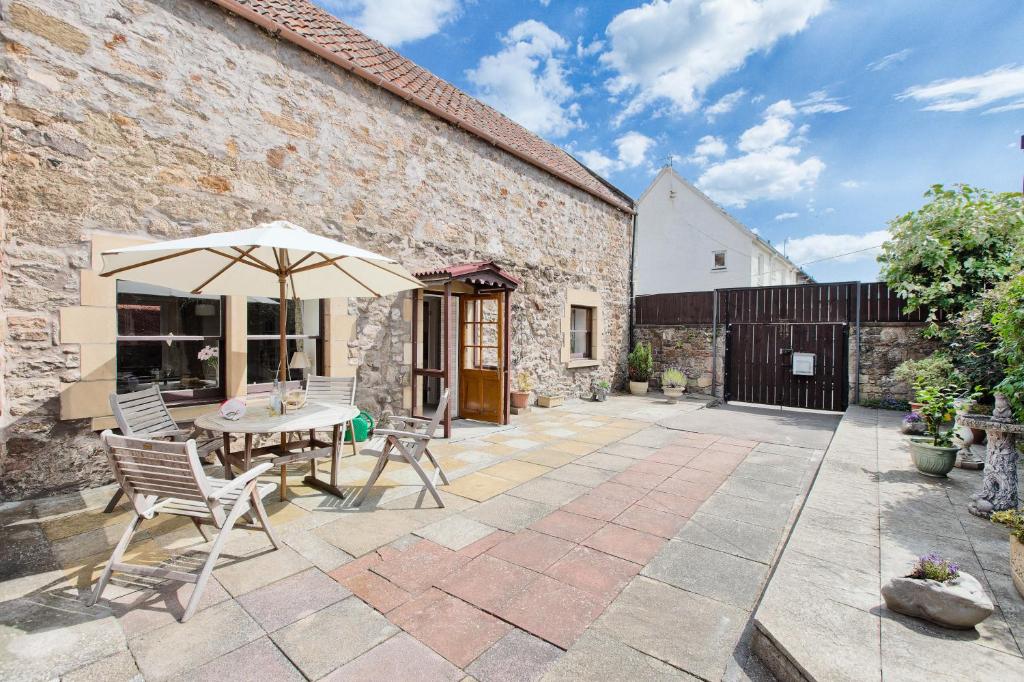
482, 391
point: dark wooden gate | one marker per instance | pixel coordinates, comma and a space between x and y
765, 326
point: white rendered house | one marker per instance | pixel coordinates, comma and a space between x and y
687, 242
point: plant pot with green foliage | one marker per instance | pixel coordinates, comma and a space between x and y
599, 389
934, 453
1014, 520
673, 383
521, 396
641, 364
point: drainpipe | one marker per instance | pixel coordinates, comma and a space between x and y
632, 284
714, 344
856, 379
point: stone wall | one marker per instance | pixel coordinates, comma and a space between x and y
883, 347
163, 119
686, 348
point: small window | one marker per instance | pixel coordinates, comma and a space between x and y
171, 339
719, 260
304, 341
581, 332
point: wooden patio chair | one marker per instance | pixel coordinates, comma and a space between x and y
406, 445
331, 391
167, 478
144, 414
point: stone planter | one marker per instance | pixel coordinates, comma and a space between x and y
958, 604
932, 460
600, 394
672, 393
550, 400
638, 387
1017, 564
520, 399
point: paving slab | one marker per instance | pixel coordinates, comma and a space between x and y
552, 610
260, 659
599, 656
290, 599
140, 611
581, 475
708, 572
530, 549
488, 582
772, 515
568, 526
625, 543
328, 639
455, 532
402, 657
549, 491
693, 633
315, 549
171, 650
249, 573
509, 513
765, 425
119, 667
732, 537
601, 575
516, 657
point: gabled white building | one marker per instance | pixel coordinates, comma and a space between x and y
687, 242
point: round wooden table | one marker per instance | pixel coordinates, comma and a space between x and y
308, 419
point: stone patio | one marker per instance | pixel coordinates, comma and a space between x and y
581, 542
869, 514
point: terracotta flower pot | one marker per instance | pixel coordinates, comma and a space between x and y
520, 399
932, 460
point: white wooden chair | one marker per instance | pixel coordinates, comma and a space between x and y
331, 391
167, 478
144, 414
406, 445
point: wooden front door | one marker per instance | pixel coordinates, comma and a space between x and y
481, 357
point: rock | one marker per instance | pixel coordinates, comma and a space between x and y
960, 604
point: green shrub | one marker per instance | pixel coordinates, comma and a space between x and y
935, 370
1013, 519
673, 378
641, 362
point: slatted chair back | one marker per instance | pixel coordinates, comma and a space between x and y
152, 471
331, 390
431, 428
142, 413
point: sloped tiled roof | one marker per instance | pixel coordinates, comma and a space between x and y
468, 271
314, 29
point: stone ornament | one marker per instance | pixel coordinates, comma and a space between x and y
999, 486
959, 604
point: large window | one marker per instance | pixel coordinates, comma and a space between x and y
169, 338
581, 332
305, 341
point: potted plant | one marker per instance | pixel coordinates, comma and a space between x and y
938, 591
934, 453
912, 424
673, 383
641, 364
1014, 519
599, 389
521, 397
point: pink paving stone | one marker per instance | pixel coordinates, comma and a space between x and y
651, 521
449, 626
673, 504
553, 611
483, 544
637, 479
364, 562
488, 582
655, 468
597, 506
625, 543
674, 454
376, 591
693, 490
601, 575
421, 566
698, 476
619, 491
531, 549
568, 526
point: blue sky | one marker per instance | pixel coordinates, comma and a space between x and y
812, 121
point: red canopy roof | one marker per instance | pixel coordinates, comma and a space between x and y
482, 273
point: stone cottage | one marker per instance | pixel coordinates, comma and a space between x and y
126, 121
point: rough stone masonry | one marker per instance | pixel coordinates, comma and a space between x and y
170, 118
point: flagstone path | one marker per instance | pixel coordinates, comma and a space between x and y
580, 544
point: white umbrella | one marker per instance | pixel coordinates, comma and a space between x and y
267, 260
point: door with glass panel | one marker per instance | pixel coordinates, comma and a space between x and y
481, 357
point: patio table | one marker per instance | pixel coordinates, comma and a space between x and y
308, 419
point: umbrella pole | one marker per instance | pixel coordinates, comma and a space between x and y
282, 372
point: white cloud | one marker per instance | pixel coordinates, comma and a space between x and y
819, 102
815, 247
972, 92
787, 216
724, 105
769, 168
850, 184
527, 82
675, 49
394, 22
707, 147
631, 152
593, 48
889, 59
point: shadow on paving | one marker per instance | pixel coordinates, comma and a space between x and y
766, 425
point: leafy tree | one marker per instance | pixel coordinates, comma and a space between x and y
954, 248
1008, 323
